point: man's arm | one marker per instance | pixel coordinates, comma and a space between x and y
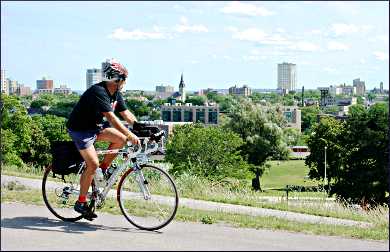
111, 117
128, 116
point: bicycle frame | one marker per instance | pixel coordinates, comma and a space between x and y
131, 159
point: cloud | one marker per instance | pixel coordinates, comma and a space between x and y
330, 70
346, 8
381, 56
227, 57
344, 29
304, 46
280, 41
337, 46
185, 27
316, 31
257, 35
246, 9
382, 38
136, 34
254, 57
231, 29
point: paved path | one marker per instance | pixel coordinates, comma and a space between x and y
222, 207
32, 228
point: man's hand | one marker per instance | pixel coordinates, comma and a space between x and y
133, 138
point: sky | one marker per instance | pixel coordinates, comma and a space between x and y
214, 44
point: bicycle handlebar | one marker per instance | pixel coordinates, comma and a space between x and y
154, 139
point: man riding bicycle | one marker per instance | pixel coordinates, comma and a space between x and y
85, 126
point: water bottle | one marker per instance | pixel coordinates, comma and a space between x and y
111, 170
99, 177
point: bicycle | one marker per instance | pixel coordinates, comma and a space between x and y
146, 194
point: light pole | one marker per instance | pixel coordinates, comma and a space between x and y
325, 169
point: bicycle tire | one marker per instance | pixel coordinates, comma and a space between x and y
62, 210
163, 197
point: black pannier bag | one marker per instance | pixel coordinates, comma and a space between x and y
66, 157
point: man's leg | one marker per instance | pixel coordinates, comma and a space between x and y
117, 140
92, 162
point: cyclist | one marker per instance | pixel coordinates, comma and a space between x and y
86, 125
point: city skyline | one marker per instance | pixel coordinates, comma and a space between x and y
214, 44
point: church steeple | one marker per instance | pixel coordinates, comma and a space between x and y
181, 89
181, 85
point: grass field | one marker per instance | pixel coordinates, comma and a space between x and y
282, 173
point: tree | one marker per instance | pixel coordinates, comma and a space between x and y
357, 155
44, 100
15, 118
53, 127
259, 128
62, 108
363, 178
309, 117
371, 96
38, 153
139, 108
327, 134
210, 152
9, 154
291, 136
331, 109
63, 105
196, 100
360, 100
22, 138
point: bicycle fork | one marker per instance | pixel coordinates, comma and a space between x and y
142, 182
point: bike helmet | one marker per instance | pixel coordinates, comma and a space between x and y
113, 70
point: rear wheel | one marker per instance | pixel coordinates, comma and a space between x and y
148, 197
60, 196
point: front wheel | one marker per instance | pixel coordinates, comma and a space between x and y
147, 197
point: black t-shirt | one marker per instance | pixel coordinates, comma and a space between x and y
87, 113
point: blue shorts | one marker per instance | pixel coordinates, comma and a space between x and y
84, 139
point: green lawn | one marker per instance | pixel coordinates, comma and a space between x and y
291, 172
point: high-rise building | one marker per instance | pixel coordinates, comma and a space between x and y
165, 89
63, 89
23, 91
243, 91
94, 76
45, 84
381, 87
4, 83
12, 86
360, 86
287, 76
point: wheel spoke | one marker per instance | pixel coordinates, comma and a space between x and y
60, 196
159, 208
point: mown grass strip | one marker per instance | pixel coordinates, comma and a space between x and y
377, 232
197, 189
